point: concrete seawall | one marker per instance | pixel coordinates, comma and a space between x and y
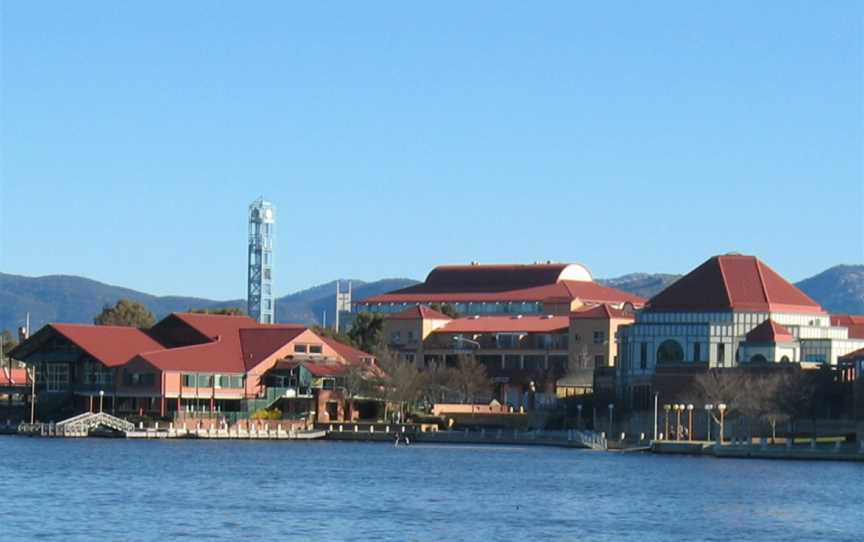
823, 452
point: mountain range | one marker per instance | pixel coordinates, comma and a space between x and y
65, 298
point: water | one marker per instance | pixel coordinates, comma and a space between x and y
68, 489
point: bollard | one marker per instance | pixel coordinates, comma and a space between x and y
371, 428
157, 426
403, 428
387, 429
340, 428
171, 426
641, 437
622, 436
355, 428
331, 427
140, 425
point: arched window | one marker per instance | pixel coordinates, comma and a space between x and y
784, 359
670, 352
758, 358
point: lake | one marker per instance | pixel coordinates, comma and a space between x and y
81, 489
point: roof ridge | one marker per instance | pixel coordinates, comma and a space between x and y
723, 278
212, 342
762, 280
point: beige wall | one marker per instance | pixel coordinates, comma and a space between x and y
584, 328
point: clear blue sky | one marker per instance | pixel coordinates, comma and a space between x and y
396, 136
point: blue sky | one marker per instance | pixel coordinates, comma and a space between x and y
396, 136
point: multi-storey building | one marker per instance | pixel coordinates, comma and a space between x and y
526, 356
535, 289
191, 363
731, 311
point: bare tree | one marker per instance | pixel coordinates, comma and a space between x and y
469, 379
400, 382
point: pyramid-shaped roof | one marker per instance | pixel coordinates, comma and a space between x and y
769, 331
733, 282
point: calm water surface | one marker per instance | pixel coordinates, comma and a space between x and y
66, 489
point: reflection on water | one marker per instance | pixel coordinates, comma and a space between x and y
156, 490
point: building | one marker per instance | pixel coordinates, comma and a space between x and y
259, 294
529, 358
193, 365
731, 311
511, 289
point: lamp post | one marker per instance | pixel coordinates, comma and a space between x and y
101, 396
656, 414
667, 407
678, 434
690, 422
31, 371
708, 408
611, 408
722, 408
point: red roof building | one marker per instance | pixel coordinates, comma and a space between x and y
186, 361
731, 311
503, 289
733, 282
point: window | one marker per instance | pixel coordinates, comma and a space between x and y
299, 348
576, 337
512, 362
599, 360
188, 380
721, 353
643, 355
314, 348
507, 340
205, 380
396, 337
697, 352
670, 352
533, 362
410, 335
409, 358
599, 337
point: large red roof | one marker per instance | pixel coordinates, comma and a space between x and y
733, 282
588, 292
350, 354
853, 322
506, 324
111, 345
769, 331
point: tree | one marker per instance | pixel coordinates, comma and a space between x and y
9, 341
469, 379
125, 313
796, 394
400, 382
365, 332
225, 311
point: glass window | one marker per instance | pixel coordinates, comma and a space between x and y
189, 380
599, 361
512, 362
643, 355
599, 337
205, 380
314, 348
299, 348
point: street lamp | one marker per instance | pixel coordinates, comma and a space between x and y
690, 422
667, 407
722, 408
679, 409
708, 408
101, 396
611, 408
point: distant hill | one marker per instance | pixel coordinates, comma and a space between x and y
65, 298
645, 285
839, 289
